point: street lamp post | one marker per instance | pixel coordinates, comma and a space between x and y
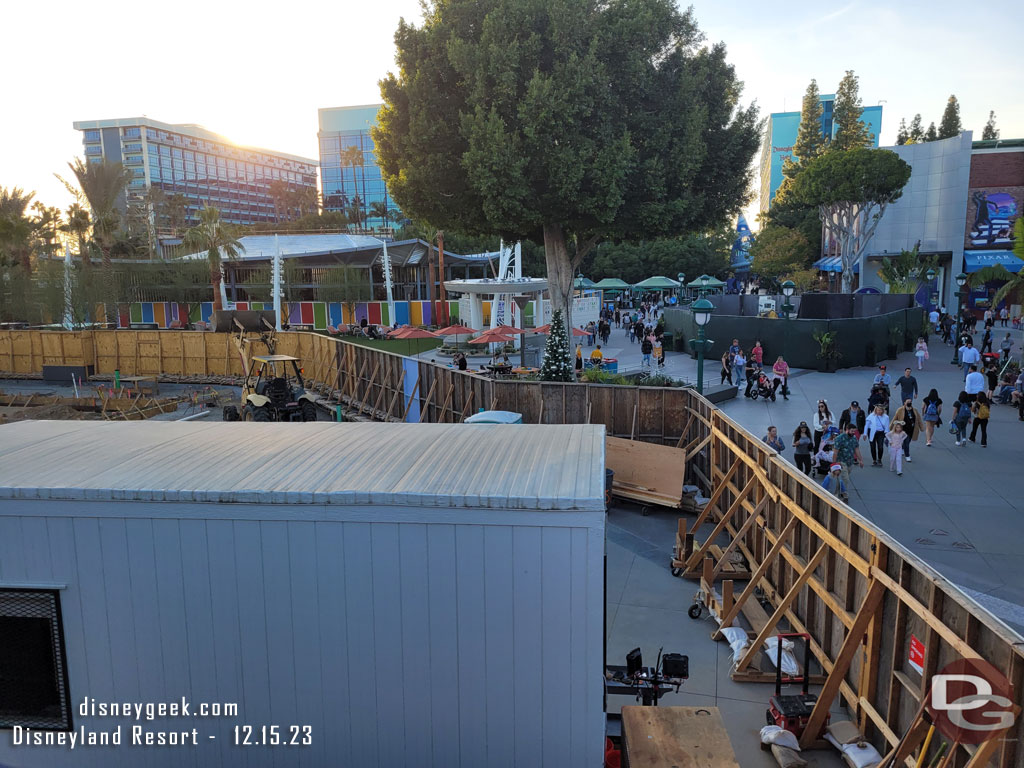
961, 281
788, 288
702, 309
681, 277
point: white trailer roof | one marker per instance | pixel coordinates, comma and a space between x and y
437, 465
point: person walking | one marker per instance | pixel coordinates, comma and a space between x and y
802, 445
912, 422
876, 424
908, 385
896, 437
646, 347
833, 482
980, 409
968, 356
986, 340
726, 368
739, 365
847, 453
821, 421
579, 358
757, 353
773, 440
1004, 315
960, 421
657, 350
931, 415
991, 380
781, 371
974, 384
921, 352
854, 416
1005, 346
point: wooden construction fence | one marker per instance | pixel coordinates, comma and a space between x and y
823, 568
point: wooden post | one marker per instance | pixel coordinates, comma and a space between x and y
695, 558
426, 402
717, 494
686, 430
842, 663
394, 397
369, 387
632, 428
783, 606
447, 401
735, 540
412, 394
469, 401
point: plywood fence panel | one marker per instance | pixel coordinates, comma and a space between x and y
600, 401
624, 410
575, 404
553, 398
650, 413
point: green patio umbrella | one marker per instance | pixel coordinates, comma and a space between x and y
713, 283
612, 284
583, 282
657, 283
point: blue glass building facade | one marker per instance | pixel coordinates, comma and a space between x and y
340, 129
189, 160
780, 136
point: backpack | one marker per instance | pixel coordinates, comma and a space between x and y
932, 409
983, 411
963, 416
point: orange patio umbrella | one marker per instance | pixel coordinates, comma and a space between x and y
492, 336
411, 332
547, 329
455, 330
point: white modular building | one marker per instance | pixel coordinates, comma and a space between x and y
301, 594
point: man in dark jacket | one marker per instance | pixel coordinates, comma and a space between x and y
853, 416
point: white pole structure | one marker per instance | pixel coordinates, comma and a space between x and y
69, 321
388, 284
276, 279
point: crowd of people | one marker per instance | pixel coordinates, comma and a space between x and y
740, 366
642, 323
830, 445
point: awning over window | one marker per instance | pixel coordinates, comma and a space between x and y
833, 264
975, 260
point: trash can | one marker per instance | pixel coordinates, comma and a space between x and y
609, 480
611, 365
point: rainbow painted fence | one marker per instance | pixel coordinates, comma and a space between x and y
315, 314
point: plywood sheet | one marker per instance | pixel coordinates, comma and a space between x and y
676, 737
658, 469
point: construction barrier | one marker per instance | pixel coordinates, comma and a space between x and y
882, 622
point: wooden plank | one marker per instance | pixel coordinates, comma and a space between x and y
685, 430
696, 557
751, 519
958, 644
842, 664
412, 394
676, 737
426, 402
716, 495
794, 591
646, 467
447, 401
469, 402
755, 580
369, 388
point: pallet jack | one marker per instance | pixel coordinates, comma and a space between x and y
792, 712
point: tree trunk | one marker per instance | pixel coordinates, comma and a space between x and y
215, 278
559, 275
109, 299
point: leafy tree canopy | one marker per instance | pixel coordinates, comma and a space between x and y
990, 131
850, 131
809, 140
779, 251
564, 121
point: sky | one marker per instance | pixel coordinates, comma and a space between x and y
257, 73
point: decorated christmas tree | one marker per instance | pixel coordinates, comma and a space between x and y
557, 364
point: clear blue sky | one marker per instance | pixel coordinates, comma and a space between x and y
257, 72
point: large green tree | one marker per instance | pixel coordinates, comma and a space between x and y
779, 251
950, 123
850, 131
219, 241
17, 228
915, 134
809, 140
851, 191
565, 122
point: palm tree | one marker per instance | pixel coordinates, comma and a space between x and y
218, 240
17, 230
379, 209
101, 184
353, 156
354, 212
79, 224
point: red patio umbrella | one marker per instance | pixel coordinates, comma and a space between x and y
491, 337
455, 330
508, 330
410, 332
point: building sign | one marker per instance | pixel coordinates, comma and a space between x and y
916, 655
991, 212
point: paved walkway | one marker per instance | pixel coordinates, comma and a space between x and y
960, 509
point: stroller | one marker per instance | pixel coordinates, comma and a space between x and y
763, 388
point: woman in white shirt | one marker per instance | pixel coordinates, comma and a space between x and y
822, 416
875, 427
